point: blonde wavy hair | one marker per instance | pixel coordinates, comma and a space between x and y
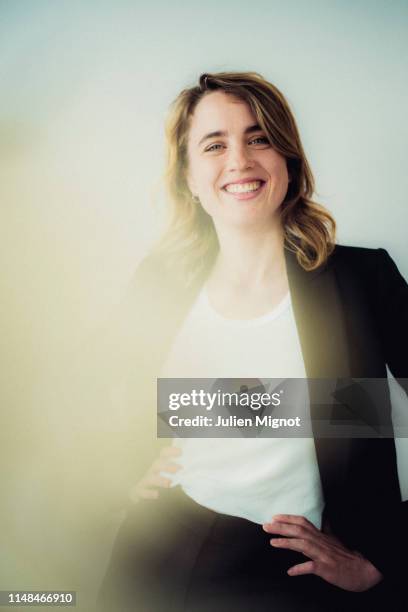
309, 229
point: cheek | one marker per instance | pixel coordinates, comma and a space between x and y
279, 173
284, 175
206, 176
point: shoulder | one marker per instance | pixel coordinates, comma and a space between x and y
358, 260
148, 271
372, 269
353, 253
361, 256
356, 269
152, 279
159, 290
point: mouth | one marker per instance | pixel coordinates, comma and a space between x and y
245, 190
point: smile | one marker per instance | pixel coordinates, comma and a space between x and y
243, 187
244, 191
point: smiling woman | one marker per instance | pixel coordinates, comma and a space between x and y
260, 131
249, 284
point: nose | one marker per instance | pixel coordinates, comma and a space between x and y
239, 158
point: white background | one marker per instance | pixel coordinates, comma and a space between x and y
84, 91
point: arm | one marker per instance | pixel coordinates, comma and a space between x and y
329, 558
393, 317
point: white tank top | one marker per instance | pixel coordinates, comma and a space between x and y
253, 478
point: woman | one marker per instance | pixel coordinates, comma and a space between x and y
248, 282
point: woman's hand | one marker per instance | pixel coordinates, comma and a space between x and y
329, 559
148, 486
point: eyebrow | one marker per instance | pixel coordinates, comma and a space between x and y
219, 133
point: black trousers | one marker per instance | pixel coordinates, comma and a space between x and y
173, 555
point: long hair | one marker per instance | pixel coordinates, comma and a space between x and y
309, 229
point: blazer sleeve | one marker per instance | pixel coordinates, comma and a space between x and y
393, 307
393, 321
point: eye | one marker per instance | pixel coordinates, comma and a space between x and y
213, 147
259, 140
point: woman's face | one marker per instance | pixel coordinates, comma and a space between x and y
238, 177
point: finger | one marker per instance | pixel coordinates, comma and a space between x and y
293, 519
171, 467
296, 519
299, 526
309, 567
170, 451
157, 481
287, 529
306, 547
142, 493
149, 494
165, 466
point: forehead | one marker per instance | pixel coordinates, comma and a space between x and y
219, 111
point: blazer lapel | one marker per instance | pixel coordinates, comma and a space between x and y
319, 319
320, 322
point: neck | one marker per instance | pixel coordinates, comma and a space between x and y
249, 259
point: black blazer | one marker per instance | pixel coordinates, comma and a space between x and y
352, 320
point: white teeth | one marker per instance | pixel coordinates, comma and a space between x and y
243, 187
